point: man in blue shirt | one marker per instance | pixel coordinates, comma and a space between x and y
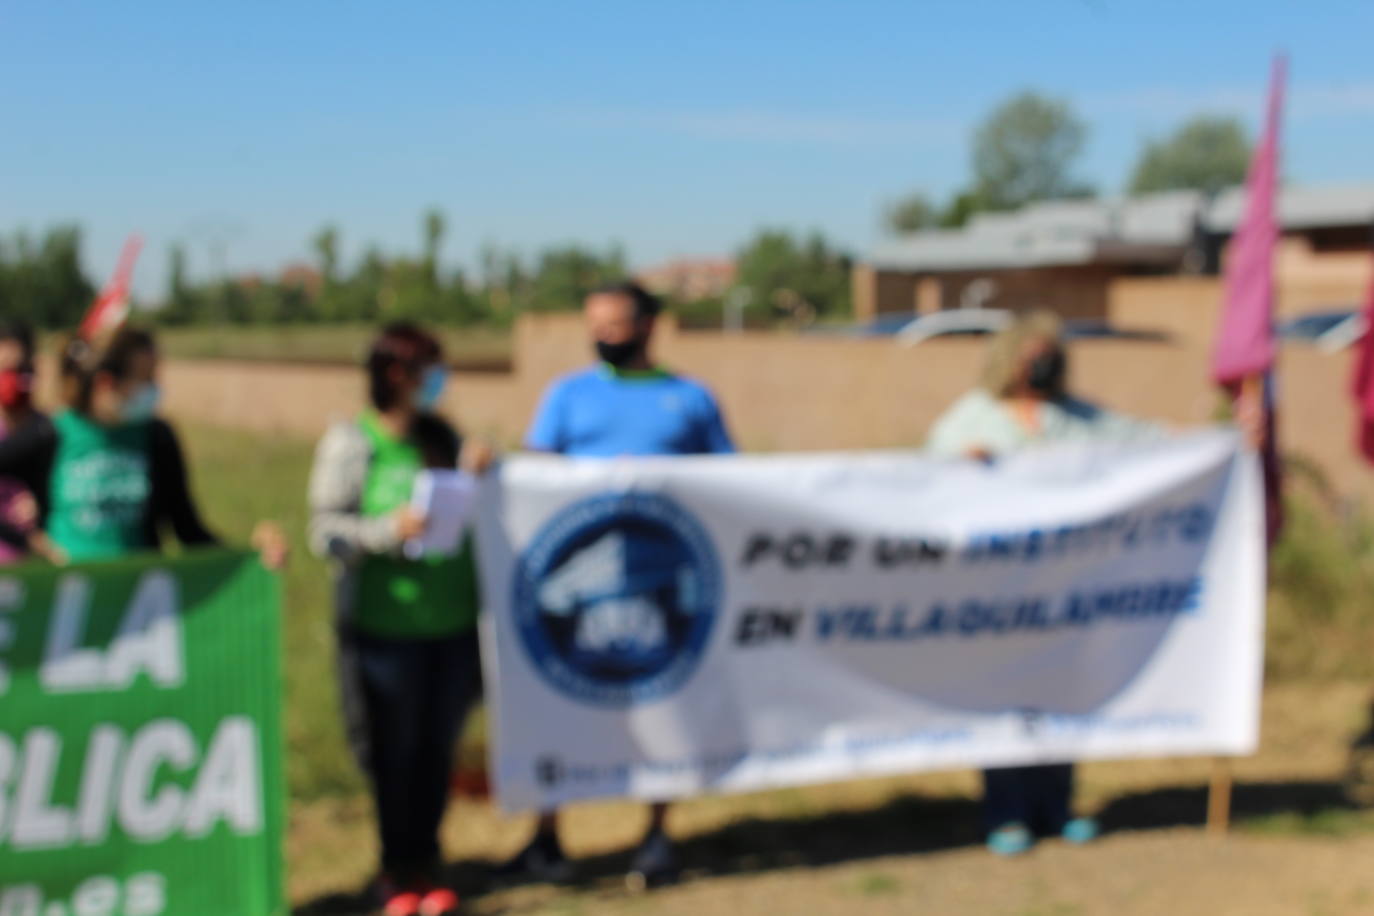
624, 405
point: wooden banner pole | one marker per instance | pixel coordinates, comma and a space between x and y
1219, 798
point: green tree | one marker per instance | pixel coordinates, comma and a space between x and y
960, 209
495, 271
359, 297
515, 282
176, 273
1025, 151
910, 214
326, 245
180, 306
1207, 154
410, 291
228, 302
564, 275
331, 304
794, 277
42, 282
434, 235
66, 290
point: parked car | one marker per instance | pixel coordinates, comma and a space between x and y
1330, 331
909, 330
884, 326
953, 323
973, 322
1099, 329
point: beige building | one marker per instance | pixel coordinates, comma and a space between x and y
1069, 255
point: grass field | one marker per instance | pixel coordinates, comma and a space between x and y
239, 479
477, 349
892, 845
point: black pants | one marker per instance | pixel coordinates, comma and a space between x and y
404, 704
1037, 797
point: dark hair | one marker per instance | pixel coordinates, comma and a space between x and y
112, 354
400, 343
646, 304
21, 332
439, 444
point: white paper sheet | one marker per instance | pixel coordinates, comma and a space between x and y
445, 498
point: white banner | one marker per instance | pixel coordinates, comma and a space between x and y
659, 628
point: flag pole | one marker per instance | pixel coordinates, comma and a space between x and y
1244, 353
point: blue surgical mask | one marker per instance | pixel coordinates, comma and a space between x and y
431, 388
142, 403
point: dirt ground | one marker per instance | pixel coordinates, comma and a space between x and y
911, 845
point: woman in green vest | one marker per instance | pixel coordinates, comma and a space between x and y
406, 626
116, 478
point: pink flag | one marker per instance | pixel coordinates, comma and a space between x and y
1362, 384
1244, 350
111, 307
1245, 340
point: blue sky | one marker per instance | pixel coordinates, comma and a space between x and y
675, 128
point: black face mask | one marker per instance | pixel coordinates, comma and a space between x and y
619, 355
1046, 376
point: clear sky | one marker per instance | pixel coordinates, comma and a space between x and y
676, 127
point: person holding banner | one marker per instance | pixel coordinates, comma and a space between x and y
115, 471
1022, 402
625, 405
24, 430
406, 624
1022, 399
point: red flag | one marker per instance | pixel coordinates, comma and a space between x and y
111, 307
1244, 350
1362, 382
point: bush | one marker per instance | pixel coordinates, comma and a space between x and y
1321, 584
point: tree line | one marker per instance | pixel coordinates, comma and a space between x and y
785, 276
380, 287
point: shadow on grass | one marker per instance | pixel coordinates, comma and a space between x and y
914, 824
1251, 803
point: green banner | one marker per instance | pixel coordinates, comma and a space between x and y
140, 738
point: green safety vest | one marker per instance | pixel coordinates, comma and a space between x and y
399, 597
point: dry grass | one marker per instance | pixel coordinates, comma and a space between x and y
911, 844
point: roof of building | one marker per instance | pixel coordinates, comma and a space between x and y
1151, 228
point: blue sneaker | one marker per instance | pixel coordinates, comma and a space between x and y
1080, 830
1010, 840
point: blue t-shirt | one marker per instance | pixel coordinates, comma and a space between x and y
602, 413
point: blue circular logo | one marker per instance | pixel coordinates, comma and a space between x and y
615, 598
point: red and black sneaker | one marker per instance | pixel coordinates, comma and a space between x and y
396, 899
439, 901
